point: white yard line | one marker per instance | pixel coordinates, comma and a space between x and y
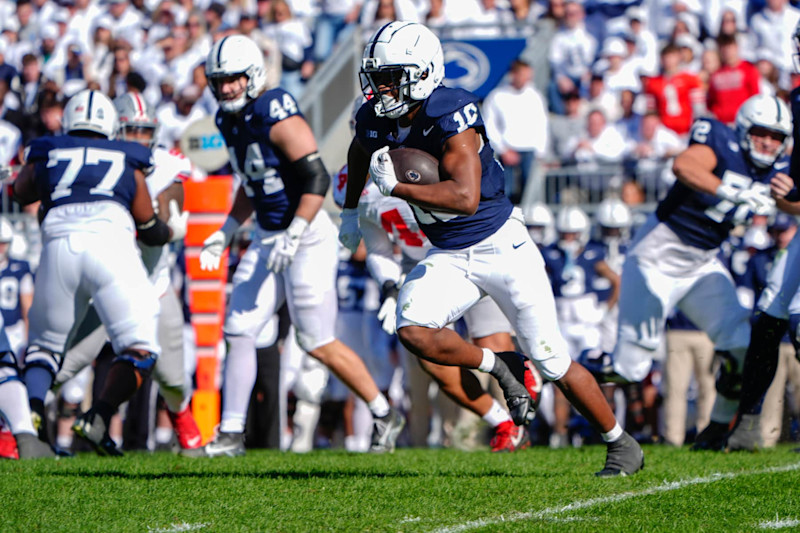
554, 512
176, 528
779, 524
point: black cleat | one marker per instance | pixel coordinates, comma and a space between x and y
92, 428
713, 437
624, 457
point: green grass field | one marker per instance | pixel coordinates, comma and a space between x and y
413, 490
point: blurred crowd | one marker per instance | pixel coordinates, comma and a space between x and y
600, 83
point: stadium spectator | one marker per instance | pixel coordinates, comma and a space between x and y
335, 22
174, 117
28, 84
773, 29
572, 51
733, 83
652, 149
566, 130
295, 42
600, 143
645, 43
509, 111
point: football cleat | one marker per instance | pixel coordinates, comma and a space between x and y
8, 445
746, 435
533, 382
713, 437
520, 390
509, 438
30, 447
227, 444
624, 457
186, 430
386, 430
91, 427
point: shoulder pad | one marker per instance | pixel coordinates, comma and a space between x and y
445, 100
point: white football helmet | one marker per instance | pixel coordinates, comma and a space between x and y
230, 56
134, 112
540, 222
406, 56
92, 111
614, 218
768, 112
572, 219
796, 41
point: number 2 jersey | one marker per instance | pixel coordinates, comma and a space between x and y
266, 172
444, 114
703, 220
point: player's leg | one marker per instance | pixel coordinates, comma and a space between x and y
257, 294
127, 305
170, 376
435, 293
311, 297
730, 332
515, 277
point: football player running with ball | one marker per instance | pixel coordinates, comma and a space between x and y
294, 254
480, 243
724, 176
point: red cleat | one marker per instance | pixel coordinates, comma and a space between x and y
8, 445
186, 429
509, 438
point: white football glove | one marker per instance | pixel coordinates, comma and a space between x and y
5, 172
216, 243
349, 232
759, 202
387, 314
382, 171
177, 221
285, 245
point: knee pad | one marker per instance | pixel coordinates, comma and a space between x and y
142, 363
729, 375
38, 356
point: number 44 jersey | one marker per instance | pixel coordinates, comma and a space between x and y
704, 220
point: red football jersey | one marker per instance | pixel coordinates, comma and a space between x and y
674, 98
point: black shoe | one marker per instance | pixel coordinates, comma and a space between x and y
624, 457
92, 428
713, 437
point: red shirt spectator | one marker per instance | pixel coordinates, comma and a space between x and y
676, 96
733, 83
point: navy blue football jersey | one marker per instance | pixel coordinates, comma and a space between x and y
265, 171
578, 277
351, 286
703, 220
79, 169
445, 113
794, 102
11, 279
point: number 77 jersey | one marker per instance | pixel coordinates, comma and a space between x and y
703, 220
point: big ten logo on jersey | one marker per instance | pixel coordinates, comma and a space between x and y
9, 293
394, 224
719, 211
88, 164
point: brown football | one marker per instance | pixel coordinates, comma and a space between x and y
414, 166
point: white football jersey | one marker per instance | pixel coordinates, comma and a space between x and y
170, 167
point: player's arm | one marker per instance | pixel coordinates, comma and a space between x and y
357, 172
461, 192
602, 269
25, 186
294, 138
151, 230
172, 193
695, 166
780, 186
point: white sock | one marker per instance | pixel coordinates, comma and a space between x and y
487, 363
238, 383
379, 407
613, 434
496, 415
306, 416
163, 435
14, 407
